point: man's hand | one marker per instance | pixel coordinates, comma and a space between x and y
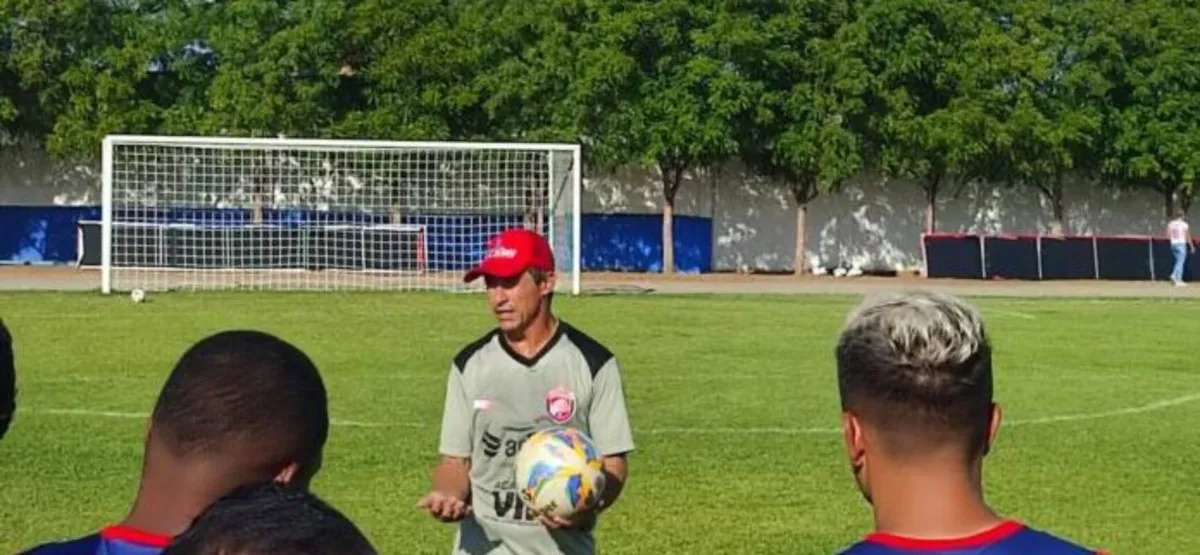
446, 508
447, 499
554, 522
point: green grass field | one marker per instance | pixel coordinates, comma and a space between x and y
732, 399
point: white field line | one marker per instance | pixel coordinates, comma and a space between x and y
724, 430
1013, 313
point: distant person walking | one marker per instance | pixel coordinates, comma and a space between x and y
1181, 245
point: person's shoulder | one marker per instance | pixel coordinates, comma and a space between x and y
866, 548
594, 353
1032, 540
87, 545
464, 356
112, 540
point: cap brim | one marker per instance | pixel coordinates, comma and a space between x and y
494, 268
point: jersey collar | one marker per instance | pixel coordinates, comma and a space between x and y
135, 536
999, 532
559, 331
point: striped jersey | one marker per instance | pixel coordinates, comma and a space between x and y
495, 399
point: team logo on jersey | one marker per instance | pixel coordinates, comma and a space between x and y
560, 405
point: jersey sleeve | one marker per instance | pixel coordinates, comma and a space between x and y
608, 418
457, 418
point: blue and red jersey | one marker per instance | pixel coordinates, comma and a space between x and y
1008, 538
113, 540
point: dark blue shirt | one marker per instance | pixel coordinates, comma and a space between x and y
1008, 538
114, 540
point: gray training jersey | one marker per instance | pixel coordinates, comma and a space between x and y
495, 398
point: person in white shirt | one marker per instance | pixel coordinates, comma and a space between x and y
1181, 245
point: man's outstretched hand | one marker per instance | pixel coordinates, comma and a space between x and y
445, 508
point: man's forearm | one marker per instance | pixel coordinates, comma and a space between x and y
616, 471
452, 477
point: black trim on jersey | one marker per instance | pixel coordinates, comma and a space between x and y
460, 360
528, 361
594, 353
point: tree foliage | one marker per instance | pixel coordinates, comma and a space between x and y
808, 92
654, 91
1155, 122
804, 92
925, 121
1064, 60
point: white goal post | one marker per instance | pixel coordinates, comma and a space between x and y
204, 213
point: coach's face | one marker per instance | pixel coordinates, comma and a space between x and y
517, 301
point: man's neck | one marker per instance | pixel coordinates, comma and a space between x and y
930, 503
167, 505
528, 341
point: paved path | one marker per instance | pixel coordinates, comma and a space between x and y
74, 279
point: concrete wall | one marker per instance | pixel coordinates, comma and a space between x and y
872, 223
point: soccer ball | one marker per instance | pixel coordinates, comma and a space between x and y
559, 472
137, 295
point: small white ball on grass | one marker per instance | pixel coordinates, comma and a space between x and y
137, 295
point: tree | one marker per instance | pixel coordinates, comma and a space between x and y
655, 93
279, 68
533, 46
808, 93
925, 121
88, 62
1063, 58
415, 66
10, 89
1156, 120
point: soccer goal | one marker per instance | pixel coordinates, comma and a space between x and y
200, 213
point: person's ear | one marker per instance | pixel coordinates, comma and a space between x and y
547, 285
852, 434
287, 474
855, 437
993, 427
300, 474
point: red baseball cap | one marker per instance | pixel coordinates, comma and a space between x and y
512, 252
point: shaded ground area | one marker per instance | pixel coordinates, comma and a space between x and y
14, 278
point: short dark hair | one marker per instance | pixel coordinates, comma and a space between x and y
244, 388
270, 519
918, 367
8, 380
540, 276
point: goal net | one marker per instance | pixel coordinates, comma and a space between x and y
199, 213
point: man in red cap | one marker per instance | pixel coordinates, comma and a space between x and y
530, 373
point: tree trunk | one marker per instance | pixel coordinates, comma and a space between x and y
801, 236
668, 234
931, 194
804, 190
672, 176
1058, 226
1176, 197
